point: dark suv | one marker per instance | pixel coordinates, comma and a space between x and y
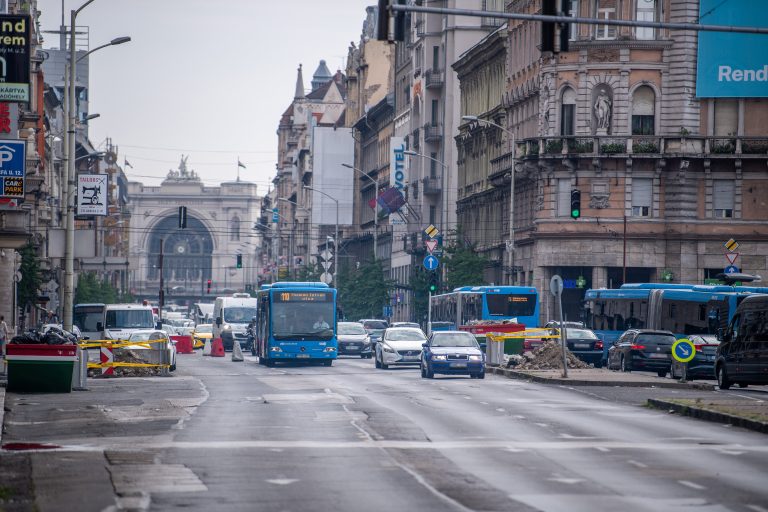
742, 356
642, 349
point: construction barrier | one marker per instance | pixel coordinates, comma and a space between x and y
217, 348
107, 362
512, 343
184, 344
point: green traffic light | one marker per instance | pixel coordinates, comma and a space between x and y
575, 214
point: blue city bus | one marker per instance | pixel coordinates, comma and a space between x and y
296, 322
680, 308
470, 304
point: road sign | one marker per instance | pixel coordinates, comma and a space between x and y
431, 245
731, 245
683, 350
326, 264
556, 285
432, 231
326, 255
431, 263
731, 269
326, 277
12, 168
275, 215
732, 257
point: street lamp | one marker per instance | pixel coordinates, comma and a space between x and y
375, 206
335, 238
69, 270
511, 242
410, 152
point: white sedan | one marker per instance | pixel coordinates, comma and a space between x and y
399, 346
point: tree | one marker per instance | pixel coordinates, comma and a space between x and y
92, 289
364, 291
463, 266
309, 272
29, 286
420, 286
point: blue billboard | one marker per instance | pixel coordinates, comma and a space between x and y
12, 167
733, 65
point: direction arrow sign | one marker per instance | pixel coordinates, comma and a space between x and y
731, 269
432, 245
431, 263
683, 350
731, 257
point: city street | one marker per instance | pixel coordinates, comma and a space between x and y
220, 435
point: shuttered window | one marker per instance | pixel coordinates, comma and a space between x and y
723, 194
564, 197
726, 117
646, 11
642, 196
568, 112
643, 108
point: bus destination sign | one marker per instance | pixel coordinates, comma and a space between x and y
303, 297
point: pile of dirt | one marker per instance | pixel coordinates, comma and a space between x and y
548, 356
129, 356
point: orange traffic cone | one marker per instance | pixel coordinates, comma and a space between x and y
217, 349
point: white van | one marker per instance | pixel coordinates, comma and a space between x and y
231, 316
121, 320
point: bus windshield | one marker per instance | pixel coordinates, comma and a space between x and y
129, 319
510, 304
303, 314
87, 318
239, 315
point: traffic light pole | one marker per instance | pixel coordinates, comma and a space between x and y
429, 314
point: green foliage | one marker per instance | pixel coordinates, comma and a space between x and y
463, 266
577, 146
28, 289
364, 291
645, 147
724, 146
612, 148
310, 272
90, 289
420, 284
553, 147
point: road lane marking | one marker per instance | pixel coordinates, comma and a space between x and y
757, 508
731, 452
637, 464
500, 409
692, 485
602, 449
282, 481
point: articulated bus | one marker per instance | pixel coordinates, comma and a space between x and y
296, 322
475, 303
680, 308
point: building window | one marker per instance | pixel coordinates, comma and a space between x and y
564, 197
435, 58
723, 194
726, 117
643, 107
234, 233
568, 112
605, 10
432, 215
642, 194
435, 112
573, 33
433, 165
646, 11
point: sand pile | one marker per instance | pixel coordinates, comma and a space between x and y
548, 356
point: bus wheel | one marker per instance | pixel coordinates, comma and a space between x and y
328, 362
269, 362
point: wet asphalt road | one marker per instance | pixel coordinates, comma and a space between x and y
350, 438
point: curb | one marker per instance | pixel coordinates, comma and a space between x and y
673, 384
708, 415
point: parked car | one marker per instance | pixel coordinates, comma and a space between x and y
452, 353
556, 324
399, 346
374, 327
585, 345
201, 333
702, 366
742, 356
642, 349
153, 340
406, 324
353, 340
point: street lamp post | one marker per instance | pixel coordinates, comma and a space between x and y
336, 237
511, 242
375, 207
71, 76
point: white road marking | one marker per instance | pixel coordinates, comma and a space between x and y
569, 481
757, 508
467, 398
282, 481
692, 485
484, 403
731, 452
501, 409
542, 424
637, 464
602, 449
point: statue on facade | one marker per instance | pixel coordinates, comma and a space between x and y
602, 110
182, 173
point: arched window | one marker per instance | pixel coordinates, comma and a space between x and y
568, 112
643, 111
234, 233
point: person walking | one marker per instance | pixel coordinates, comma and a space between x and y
3, 335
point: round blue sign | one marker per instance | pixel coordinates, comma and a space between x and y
732, 269
683, 350
431, 263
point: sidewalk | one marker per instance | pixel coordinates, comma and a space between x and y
600, 377
749, 414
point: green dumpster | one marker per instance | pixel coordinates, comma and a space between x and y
40, 368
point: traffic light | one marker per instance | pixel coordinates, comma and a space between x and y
391, 24
575, 203
209, 286
433, 282
239, 261
182, 217
548, 8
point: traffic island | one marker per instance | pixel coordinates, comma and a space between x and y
749, 414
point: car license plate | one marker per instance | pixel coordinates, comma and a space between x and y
410, 358
352, 347
658, 356
302, 356
581, 345
458, 365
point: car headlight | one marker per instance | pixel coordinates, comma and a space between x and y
227, 327
330, 349
439, 357
387, 348
275, 349
476, 358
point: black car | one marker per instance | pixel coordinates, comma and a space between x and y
702, 366
585, 345
742, 356
645, 350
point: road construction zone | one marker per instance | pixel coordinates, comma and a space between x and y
538, 333
107, 362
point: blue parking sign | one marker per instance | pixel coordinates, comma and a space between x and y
12, 167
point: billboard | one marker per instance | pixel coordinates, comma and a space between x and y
14, 58
92, 192
733, 65
13, 165
398, 178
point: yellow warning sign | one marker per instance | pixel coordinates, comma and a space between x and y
731, 245
432, 231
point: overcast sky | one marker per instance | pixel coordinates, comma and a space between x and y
207, 79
